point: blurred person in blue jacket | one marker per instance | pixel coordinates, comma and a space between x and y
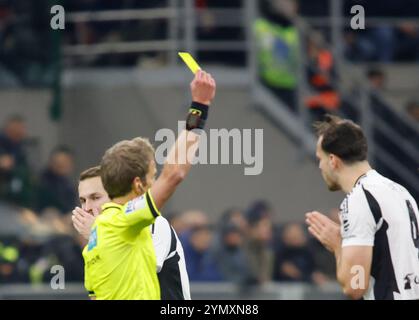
199, 256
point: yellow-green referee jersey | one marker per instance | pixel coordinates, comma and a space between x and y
119, 260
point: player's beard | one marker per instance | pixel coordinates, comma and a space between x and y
331, 182
334, 187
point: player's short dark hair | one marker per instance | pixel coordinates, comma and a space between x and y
123, 162
90, 173
342, 138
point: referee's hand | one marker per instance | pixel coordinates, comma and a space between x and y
203, 88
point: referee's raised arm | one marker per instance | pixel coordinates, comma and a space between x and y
178, 162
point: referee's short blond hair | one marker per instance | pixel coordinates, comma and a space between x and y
124, 162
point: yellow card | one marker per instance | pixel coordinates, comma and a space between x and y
190, 62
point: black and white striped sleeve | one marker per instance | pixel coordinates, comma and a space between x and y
358, 224
162, 235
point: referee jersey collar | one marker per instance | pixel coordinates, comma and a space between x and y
111, 205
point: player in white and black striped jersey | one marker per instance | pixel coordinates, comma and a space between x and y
377, 244
171, 266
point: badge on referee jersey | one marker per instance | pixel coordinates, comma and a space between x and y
136, 204
92, 239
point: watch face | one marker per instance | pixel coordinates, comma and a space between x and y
193, 121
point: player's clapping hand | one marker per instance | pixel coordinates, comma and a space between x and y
324, 229
83, 221
203, 88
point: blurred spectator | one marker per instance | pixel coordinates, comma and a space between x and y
412, 109
24, 41
235, 217
384, 42
175, 219
9, 260
258, 245
294, 261
199, 257
197, 237
374, 44
277, 41
376, 78
257, 210
56, 190
230, 256
191, 219
63, 250
15, 179
321, 78
407, 44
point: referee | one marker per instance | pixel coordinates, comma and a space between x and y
377, 244
120, 260
171, 266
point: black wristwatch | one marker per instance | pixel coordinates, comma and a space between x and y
198, 114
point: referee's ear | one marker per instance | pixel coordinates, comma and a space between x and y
137, 186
